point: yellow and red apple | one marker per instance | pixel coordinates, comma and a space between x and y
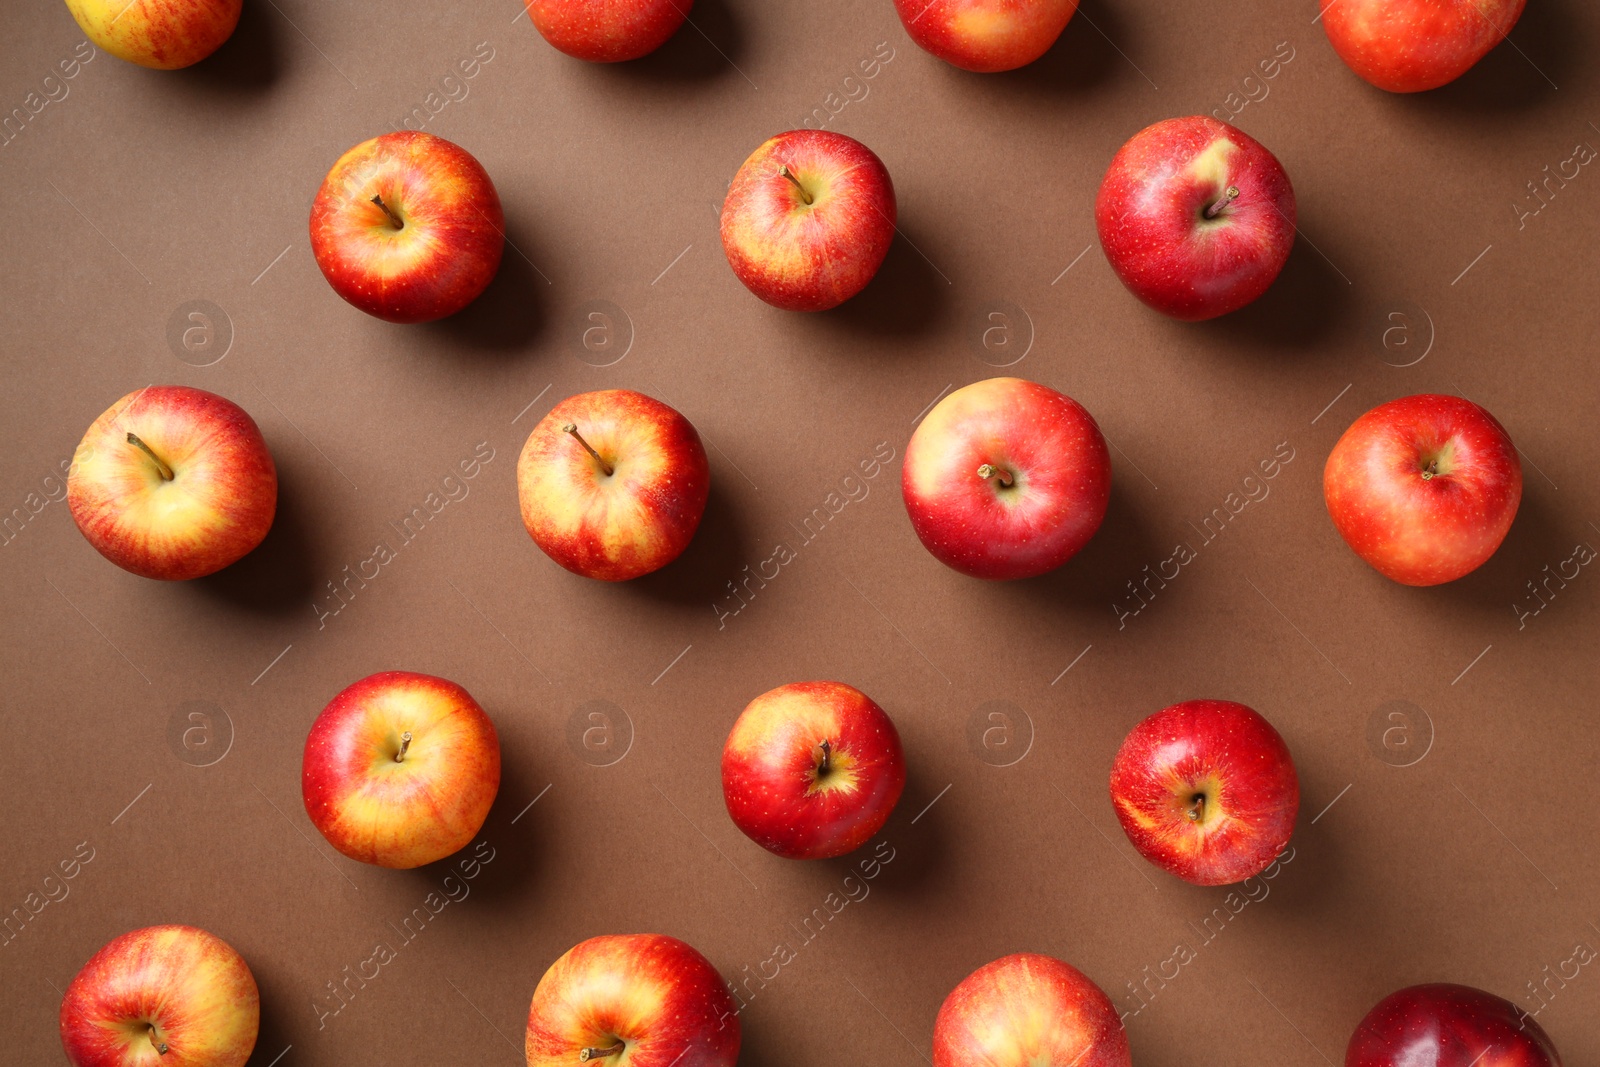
612, 484
607, 31
400, 769
986, 35
1407, 46
408, 227
163, 34
169, 995
808, 219
173, 483
812, 769
1025, 1010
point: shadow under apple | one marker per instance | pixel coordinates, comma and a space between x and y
507, 316
249, 62
908, 298
1308, 303
1538, 536
706, 48
276, 1031
1518, 76
1081, 59
717, 554
277, 578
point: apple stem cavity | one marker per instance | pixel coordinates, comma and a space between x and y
787, 173
1227, 198
989, 470
827, 751
572, 428
1430, 470
600, 1053
1197, 807
161, 1046
166, 471
389, 211
405, 743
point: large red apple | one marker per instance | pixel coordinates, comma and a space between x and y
1206, 790
607, 31
632, 1000
1006, 478
162, 34
1406, 46
986, 35
812, 769
408, 227
808, 219
613, 484
169, 995
1196, 217
1026, 1010
1424, 488
400, 769
173, 482
1445, 1025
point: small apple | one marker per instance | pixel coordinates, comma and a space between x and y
173, 482
613, 484
400, 769
1424, 488
1006, 478
812, 770
1443, 1025
1196, 217
632, 1000
1027, 1010
162, 34
408, 227
808, 219
169, 995
1406, 46
607, 31
986, 35
1206, 790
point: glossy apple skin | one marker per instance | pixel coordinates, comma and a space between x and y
1150, 214
771, 762
417, 810
1408, 46
161, 34
986, 36
446, 252
218, 505
1416, 530
1230, 755
190, 986
633, 521
607, 31
1055, 455
809, 257
1443, 1025
1024, 1010
657, 995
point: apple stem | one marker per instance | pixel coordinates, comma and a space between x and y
166, 471
989, 470
787, 173
598, 1053
572, 428
161, 1046
387, 210
1197, 808
405, 743
827, 750
1431, 470
1227, 198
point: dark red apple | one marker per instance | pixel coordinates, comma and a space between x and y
1444, 1025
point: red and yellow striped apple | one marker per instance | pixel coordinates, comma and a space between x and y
1407, 46
986, 35
1025, 1010
607, 31
162, 34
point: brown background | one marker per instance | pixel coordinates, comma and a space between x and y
141, 192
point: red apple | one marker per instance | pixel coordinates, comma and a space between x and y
408, 227
169, 995
1406, 46
1006, 478
1026, 1010
162, 34
1445, 1025
607, 31
174, 483
808, 219
812, 770
400, 769
1424, 488
986, 35
613, 484
1196, 217
1206, 790
632, 1000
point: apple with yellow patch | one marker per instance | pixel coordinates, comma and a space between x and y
613, 484
162, 34
170, 995
812, 770
986, 36
1408, 46
400, 769
1025, 1010
607, 31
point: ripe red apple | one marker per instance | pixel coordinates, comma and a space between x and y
808, 219
400, 769
986, 35
1206, 790
173, 482
1025, 1010
607, 31
1424, 488
613, 484
633, 1000
1006, 478
408, 227
169, 995
1406, 46
812, 770
1445, 1025
162, 34
1196, 217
